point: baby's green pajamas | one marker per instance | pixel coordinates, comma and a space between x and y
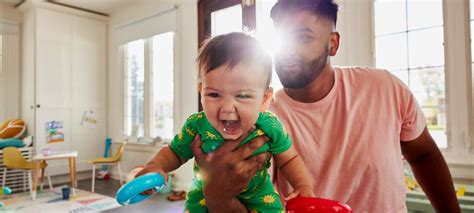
259, 195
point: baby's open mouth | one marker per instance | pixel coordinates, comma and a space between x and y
230, 126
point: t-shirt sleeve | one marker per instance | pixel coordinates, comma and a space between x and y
274, 129
181, 143
412, 117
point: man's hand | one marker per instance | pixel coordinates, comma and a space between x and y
226, 171
425, 158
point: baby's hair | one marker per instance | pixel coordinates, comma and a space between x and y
232, 49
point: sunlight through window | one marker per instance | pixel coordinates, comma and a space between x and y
409, 42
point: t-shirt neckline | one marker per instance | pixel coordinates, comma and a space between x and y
327, 99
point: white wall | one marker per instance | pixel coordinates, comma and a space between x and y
185, 91
354, 23
10, 77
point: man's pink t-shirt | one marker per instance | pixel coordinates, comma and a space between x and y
350, 140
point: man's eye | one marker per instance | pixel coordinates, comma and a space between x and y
213, 95
304, 38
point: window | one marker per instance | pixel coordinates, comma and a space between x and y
409, 42
265, 34
162, 85
148, 87
134, 88
226, 20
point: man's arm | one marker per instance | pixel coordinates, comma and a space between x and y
431, 172
226, 172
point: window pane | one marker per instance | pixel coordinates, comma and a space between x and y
226, 20
402, 75
162, 109
265, 34
424, 13
428, 86
134, 87
426, 47
390, 16
391, 52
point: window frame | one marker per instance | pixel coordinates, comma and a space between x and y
410, 69
459, 88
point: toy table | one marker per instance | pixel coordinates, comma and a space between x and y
70, 155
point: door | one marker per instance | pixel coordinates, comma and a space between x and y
53, 76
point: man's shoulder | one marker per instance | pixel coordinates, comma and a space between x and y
363, 72
367, 76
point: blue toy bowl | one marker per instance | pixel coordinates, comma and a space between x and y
130, 192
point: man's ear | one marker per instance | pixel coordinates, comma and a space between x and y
334, 41
267, 97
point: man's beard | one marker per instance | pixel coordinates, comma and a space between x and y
310, 71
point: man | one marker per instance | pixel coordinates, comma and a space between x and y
351, 126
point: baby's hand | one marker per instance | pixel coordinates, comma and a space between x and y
304, 191
150, 168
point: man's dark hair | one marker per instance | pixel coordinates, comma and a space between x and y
231, 49
325, 8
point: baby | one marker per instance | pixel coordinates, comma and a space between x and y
234, 78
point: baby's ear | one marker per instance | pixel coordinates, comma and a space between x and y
267, 97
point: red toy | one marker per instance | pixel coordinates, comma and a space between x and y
315, 205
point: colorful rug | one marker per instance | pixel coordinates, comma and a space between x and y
51, 201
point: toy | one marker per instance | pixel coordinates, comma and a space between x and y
313, 205
166, 189
12, 128
130, 192
4, 191
104, 173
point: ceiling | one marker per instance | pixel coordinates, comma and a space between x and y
105, 7
10, 2
101, 6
